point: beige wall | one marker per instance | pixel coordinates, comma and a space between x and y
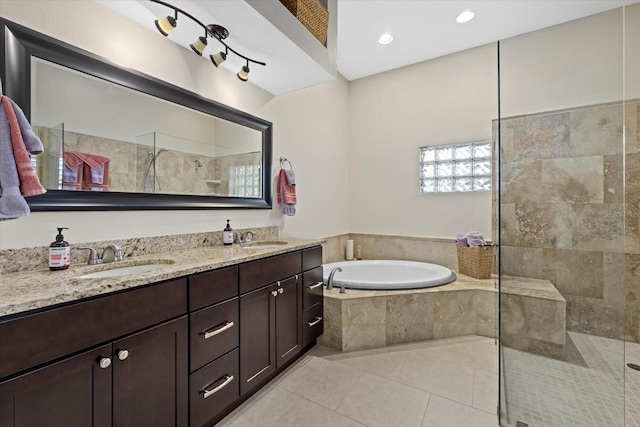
446, 100
569, 65
311, 131
90, 22
353, 145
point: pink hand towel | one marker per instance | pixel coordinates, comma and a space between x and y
96, 171
286, 194
29, 182
12, 204
31, 141
73, 171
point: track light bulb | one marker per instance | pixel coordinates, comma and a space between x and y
218, 58
243, 74
199, 45
166, 25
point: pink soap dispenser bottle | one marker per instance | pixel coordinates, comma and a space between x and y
227, 234
59, 252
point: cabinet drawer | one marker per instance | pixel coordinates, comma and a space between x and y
212, 287
311, 258
255, 274
38, 338
213, 332
312, 285
312, 325
213, 388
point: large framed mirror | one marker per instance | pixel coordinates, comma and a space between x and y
117, 139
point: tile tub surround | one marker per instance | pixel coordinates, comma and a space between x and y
407, 248
569, 215
361, 320
29, 290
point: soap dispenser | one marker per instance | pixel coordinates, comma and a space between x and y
59, 252
227, 234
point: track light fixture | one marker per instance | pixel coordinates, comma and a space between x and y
218, 32
243, 74
219, 58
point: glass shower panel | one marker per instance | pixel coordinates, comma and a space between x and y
49, 164
564, 239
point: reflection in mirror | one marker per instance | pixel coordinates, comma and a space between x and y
100, 136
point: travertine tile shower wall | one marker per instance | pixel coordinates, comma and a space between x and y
176, 172
569, 213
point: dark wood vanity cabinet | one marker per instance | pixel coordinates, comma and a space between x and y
178, 353
270, 317
139, 379
214, 323
313, 307
74, 392
270, 330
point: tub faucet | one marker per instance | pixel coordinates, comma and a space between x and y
330, 280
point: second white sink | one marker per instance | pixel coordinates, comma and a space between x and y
265, 245
122, 271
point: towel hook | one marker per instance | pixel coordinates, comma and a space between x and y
284, 159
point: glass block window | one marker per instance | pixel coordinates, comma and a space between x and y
456, 168
244, 181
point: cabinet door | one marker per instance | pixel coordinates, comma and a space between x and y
75, 392
150, 375
257, 337
288, 319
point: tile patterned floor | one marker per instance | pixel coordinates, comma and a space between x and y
452, 382
441, 383
585, 390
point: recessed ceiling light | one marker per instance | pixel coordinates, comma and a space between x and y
465, 16
385, 39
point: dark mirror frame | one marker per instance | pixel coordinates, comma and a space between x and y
19, 44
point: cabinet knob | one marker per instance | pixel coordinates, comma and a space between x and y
274, 293
123, 354
280, 291
104, 362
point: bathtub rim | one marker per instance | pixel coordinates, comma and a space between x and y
445, 279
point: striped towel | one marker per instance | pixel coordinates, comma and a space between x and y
29, 182
286, 194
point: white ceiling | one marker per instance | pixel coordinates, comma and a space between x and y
422, 30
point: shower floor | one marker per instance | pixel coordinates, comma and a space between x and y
587, 389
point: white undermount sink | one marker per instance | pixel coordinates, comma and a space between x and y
124, 270
269, 244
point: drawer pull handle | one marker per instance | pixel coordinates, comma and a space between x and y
314, 286
280, 291
314, 322
274, 293
227, 380
214, 332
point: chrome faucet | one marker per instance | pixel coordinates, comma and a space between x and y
112, 253
93, 255
245, 237
330, 280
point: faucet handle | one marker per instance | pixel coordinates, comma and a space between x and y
248, 236
93, 255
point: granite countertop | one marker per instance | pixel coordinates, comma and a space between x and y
24, 291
